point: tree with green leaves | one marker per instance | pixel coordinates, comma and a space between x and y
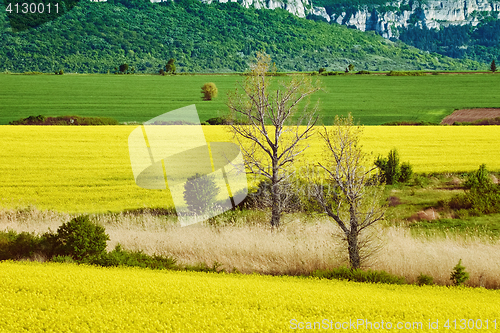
170, 66
200, 192
123, 68
209, 91
459, 276
80, 238
391, 171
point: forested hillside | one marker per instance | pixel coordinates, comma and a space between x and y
97, 37
481, 43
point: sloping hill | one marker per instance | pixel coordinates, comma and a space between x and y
97, 37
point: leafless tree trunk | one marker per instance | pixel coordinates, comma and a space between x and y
350, 198
269, 145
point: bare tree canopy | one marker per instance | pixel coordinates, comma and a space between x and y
275, 126
351, 196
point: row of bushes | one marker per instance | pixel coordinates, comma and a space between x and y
225, 120
324, 73
409, 123
64, 120
458, 276
493, 121
82, 241
406, 73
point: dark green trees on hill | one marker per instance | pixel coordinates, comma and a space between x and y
170, 66
221, 37
480, 43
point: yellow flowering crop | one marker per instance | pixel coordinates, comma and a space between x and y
54, 297
87, 168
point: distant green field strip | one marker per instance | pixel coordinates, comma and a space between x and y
373, 100
78, 298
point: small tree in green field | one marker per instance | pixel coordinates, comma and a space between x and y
170, 66
209, 91
493, 66
123, 68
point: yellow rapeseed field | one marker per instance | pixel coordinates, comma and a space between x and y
87, 169
70, 298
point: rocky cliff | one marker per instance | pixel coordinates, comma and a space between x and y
431, 14
388, 18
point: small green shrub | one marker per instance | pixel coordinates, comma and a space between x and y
406, 172
121, 257
24, 245
6, 238
389, 167
481, 195
459, 275
462, 214
425, 280
479, 179
219, 121
62, 259
420, 180
226, 120
391, 171
80, 239
358, 275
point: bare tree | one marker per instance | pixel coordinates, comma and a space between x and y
269, 141
351, 196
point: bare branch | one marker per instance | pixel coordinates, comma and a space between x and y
268, 114
356, 208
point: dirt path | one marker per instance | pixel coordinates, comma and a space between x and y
469, 115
